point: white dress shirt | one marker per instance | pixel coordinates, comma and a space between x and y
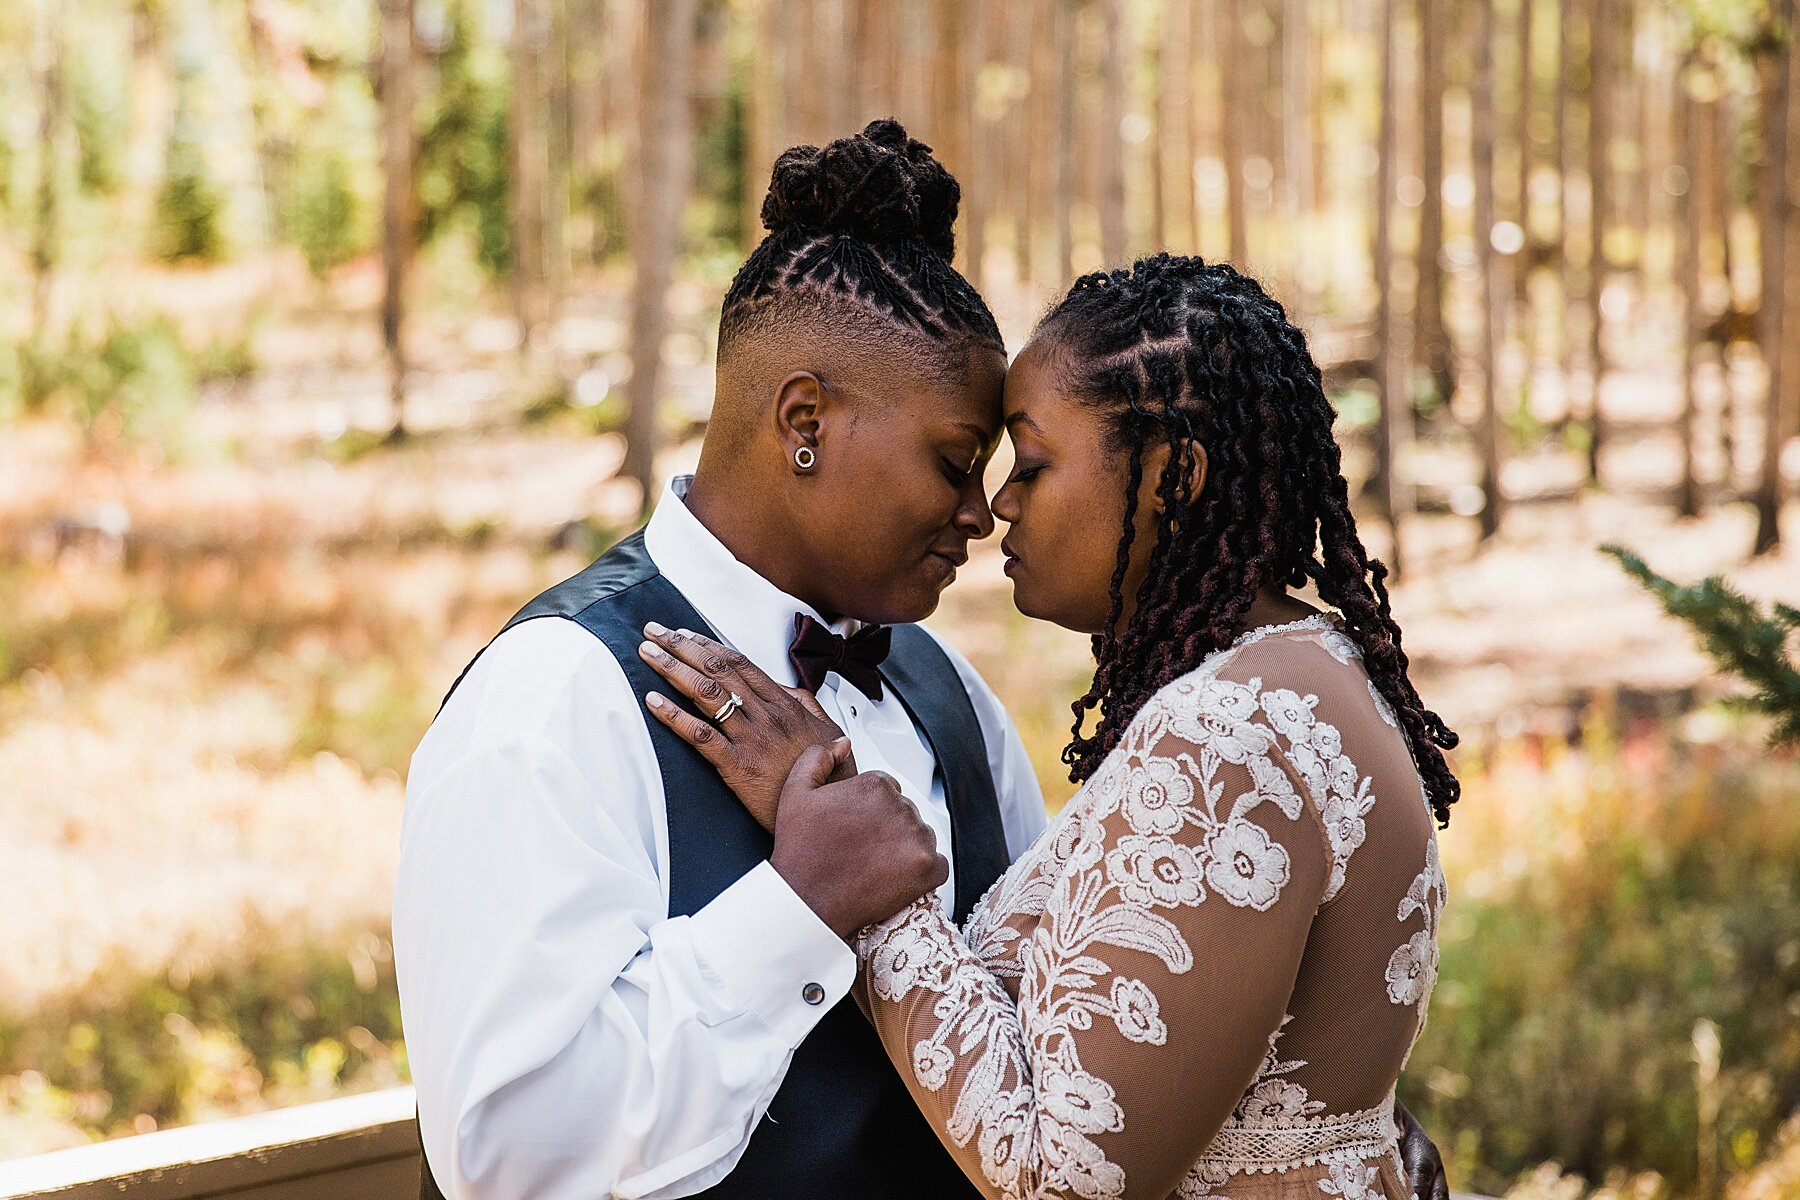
567, 1037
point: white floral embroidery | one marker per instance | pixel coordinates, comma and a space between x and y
931, 1064
1277, 1100
1155, 872
1244, 866
1081, 1101
1290, 713
1155, 794
1203, 1181
1412, 968
1137, 1013
1081, 1163
1002, 1133
1340, 646
902, 959
1350, 1179
1383, 709
1080, 841
1016, 1087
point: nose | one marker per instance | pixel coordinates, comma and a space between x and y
973, 516
1006, 504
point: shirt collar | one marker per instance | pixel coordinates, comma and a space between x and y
749, 613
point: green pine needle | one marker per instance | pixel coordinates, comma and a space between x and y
1744, 640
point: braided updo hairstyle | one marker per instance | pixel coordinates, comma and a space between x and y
1180, 351
867, 218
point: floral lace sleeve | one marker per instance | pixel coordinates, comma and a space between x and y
1072, 1043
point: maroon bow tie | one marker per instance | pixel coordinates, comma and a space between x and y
817, 652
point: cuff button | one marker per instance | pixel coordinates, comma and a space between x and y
812, 993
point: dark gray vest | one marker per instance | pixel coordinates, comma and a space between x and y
842, 1123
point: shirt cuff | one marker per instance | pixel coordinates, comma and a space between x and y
773, 953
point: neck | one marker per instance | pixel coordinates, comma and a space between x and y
1273, 606
732, 510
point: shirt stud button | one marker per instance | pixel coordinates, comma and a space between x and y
853, 710
812, 993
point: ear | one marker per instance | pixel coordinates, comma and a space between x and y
799, 413
1196, 468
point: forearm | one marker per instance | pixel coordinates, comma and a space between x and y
652, 1087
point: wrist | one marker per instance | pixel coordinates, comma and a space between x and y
805, 886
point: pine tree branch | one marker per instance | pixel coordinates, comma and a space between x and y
1738, 635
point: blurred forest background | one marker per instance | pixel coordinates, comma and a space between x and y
331, 330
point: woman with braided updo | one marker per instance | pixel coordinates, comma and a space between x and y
1205, 976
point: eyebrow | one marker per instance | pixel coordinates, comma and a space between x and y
1024, 418
982, 437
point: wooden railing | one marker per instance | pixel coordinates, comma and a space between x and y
356, 1148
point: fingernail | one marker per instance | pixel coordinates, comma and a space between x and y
653, 700
684, 633
651, 649
654, 629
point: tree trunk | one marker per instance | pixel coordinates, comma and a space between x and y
1042, 122
1563, 157
1064, 151
1112, 145
1687, 263
1431, 338
875, 48
1777, 80
978, 197
397, 206
1296, 151
1719, 164
838, 69
663, 165
1199, 27
1159, 144
1635, 84
1527, 87
1600, 39
954, 24
762, 99
529, 169
1396, 403
1234, 113
1176, 126
815, 118
46, 233
558, 148
1015, 151
1487, 432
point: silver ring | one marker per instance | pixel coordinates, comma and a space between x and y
804, 458
726, 709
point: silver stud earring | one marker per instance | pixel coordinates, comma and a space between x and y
804, 458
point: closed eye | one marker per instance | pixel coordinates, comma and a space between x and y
1026, 474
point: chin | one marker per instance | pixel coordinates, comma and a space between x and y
1039, 607
905, 604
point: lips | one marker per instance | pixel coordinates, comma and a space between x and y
1012, 558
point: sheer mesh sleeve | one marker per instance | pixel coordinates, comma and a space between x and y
1111, 1001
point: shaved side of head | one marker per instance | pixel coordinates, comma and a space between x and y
835, 337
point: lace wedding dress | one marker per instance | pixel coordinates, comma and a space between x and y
1206, 975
